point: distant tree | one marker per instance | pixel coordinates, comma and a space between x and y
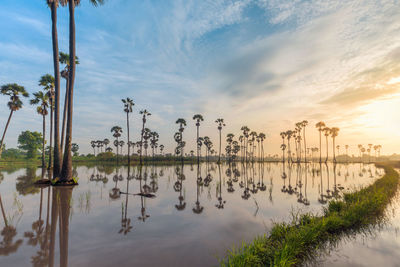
198, 118
14, 91
334, 132
75, 149
320, 126
128, 104
327, 132
220, 124
144, 114
30, 142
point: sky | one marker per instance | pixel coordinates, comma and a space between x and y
266, 64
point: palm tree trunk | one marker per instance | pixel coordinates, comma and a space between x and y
43, 142
141, 144
219, 157
305, 145
51, 135
4, 133
198, 155
117, 151
64, 114
334, 156
57, 151
66, 172
326, 160
129, 147
320, 148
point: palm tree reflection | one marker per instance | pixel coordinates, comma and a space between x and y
8, 233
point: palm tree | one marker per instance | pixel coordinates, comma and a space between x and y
338, 147
359, 150
262, 138
283, 147
304, 125
64, 59
327, 132
53, 4
182, 123
93, 145
220, 123
43, 100
145, 114
106, 142
334, 132
161, 149
128, 104
369, 152
289, 135
198, 118
66, 172
347, 152
121, 144
14, 91
47, 81
116, 130
246, 131
320, 126
253, 135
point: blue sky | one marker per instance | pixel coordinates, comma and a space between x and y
264, 64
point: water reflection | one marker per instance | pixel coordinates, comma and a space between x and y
229, 203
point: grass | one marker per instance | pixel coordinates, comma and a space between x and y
290, 244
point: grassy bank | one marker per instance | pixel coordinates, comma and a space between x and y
289, 244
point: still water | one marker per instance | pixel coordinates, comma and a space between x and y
159, 215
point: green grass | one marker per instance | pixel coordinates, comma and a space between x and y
290, 244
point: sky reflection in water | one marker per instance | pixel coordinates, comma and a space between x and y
159, 215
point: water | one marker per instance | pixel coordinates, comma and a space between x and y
378, 247
190, 221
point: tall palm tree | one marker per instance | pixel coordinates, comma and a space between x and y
253, 135
182, 123
161, 149
220, 123
43, 100
64, 59
289, 134
66, 171
93, 145
369, 152
144, 114
14, 91
262, 138
245, 131
47, 81
338, 149
198, 118
359, 150
327, 132
116, 130
53, 4
128, 104
106, 142
304, 124
283, 147
347, 152
334, 132
320, 126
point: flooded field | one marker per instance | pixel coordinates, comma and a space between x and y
159, 215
